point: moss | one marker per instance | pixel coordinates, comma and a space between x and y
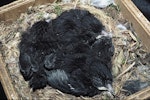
58, 10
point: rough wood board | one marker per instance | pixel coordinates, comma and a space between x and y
6, 82
13, 10
140, 23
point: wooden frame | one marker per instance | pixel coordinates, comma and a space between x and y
140, 23
13, 10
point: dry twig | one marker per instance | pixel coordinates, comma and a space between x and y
126, 70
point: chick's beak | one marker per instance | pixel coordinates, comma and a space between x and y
110, 88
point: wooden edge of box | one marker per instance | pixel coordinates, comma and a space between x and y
13, 10
140, 23
10, 5
6, 81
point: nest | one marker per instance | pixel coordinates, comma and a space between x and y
130, 61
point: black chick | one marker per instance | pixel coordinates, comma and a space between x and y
34, 46
70, 53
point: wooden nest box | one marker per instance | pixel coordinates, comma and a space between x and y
13, 10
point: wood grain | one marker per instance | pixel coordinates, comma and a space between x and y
13, 10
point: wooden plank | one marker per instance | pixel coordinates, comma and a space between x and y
6, 82
10, 13
142, 95
140, 23
13, 10
37, 2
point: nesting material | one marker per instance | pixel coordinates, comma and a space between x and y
129, 59
95, 3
